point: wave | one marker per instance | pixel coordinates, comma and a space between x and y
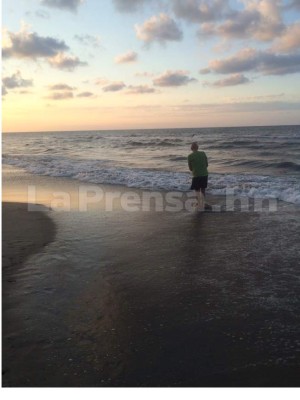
252, 145
224, 146
262, 164
178, 158
285, 188
156, 143
288, 165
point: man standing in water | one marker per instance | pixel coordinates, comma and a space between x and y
198, 164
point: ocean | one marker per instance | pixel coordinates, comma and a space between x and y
260, 162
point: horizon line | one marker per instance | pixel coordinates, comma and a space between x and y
149, 129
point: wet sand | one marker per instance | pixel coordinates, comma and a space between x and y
152, 299
25, 233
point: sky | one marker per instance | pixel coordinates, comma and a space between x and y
140, 64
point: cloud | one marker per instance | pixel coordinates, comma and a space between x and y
16, 81
293, 4
289, 40
24, 92
260, 20
128, 57
144, 74
261, 61
88, 40
160, 29
114, 87
199, 11
102, 81
232, 80
244, 60
4, 91
42, 14
25, 44
204, 71
63, 61
61, 95
85, 94
233, 107
173, 78
60, 86
70, 5
140, 89
260, 97
62, 91
276, 64
129, 5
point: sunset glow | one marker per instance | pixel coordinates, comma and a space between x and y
123, 64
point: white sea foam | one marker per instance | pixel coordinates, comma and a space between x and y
285, 188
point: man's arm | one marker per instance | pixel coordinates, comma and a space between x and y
206, 160
190, 165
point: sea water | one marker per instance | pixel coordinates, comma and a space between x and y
251, 161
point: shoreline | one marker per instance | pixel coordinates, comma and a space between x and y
24, 233
241, 192
62, 194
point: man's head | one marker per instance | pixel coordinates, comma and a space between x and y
194, 146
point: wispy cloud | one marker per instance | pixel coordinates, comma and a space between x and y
70, 5
102, 81
266, 97
161, 29
85, 94
61, 86
140, 89
129, 57
63, 95
144, 74
67, 62
236, 107
205, 71
39, 13
173, 78
232, 80
24, 92
88, 40
114, 87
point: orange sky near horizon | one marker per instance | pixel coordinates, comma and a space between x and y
136, 64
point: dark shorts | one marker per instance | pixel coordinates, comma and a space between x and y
199, 182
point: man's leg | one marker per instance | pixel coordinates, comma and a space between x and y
200, 198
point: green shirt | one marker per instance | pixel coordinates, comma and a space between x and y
198, 163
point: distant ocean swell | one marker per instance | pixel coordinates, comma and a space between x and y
285, 188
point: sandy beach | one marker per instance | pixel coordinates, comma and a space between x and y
147, 299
